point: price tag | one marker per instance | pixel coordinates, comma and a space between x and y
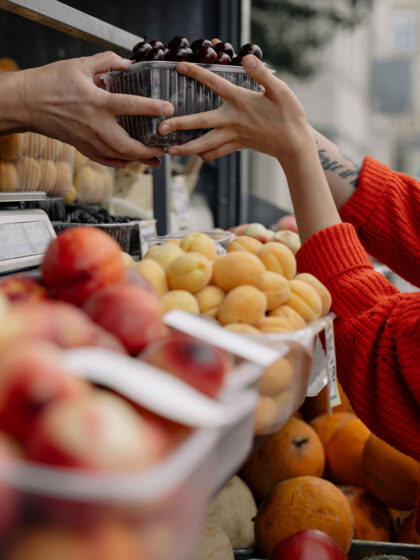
333, 394
147, 228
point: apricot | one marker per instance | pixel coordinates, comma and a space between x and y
71, 195
276, 257
79, 161
151, 270
29, 173
209, 300
9, 180
12, 146
176, 240
64, 178
180, 299
265, 415
35, 144
189, 271
128, 260
319, 287
276, 378
244, 304
290, 314
199, 243
305, 300
236, 269
244, 243
67, 153
52, 148
242, 328
274, 324
164, 254
288, 238
276, 288
48, 173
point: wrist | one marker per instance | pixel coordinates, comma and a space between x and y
14, 115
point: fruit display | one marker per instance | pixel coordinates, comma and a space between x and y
32, 162
92, 182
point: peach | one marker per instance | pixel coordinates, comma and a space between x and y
265, 415
237, 268
151, 270
130, 313
81, 261
288, 238
274, 325
239, 230
79, 161
209, 300
189, 271
244, 243
71, 195
176, 240
276, 289
242, 328
128, 260
199, 243
180, 299
244, 304
29, 173
98, 432
23, 288
150, 251
278, 258
48, 174
197, 363
276, 378
12, 146
165, 254
134, 278
296, 320
287, 222
31, 378
259, 232
319, 287
9, 180
305, 300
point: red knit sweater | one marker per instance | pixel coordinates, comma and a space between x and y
377, 329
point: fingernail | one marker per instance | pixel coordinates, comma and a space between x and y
249, 62
164, 128
182, 68
166, 110
173, 151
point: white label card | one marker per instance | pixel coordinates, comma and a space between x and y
333, 394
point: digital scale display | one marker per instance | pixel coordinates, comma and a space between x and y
23, 239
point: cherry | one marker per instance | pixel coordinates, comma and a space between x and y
237, 60
155, 43
195, 45
206, 55
222, 58
178, 42
179, 53
141, 50
251, 48
225, 47
156, 53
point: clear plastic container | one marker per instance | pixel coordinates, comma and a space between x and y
160, 80
33, 162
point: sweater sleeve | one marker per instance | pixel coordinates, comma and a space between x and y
377, 334
385, 211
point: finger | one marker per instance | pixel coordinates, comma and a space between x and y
273, 86
220, 151
219, 85
209, 141
122, 146
208, 119
105, 62
123, 104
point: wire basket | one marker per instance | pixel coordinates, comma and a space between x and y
366, 549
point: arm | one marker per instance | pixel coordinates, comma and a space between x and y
62, 100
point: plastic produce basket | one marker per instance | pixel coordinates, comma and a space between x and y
221, 239
366, 549
160, 80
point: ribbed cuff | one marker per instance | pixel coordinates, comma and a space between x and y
331, 252
373, 180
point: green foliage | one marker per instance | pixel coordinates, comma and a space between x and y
290, 32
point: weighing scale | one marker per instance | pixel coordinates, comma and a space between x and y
24, 233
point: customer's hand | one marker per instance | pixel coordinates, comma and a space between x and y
271, 121
64, 100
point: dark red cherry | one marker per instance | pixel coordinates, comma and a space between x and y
141, 50
178, 42
179, 54
206, 55
155, 43
251, 48
225, 47
156, 53
237, 60
222, 58
195, 45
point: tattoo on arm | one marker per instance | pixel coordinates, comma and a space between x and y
329, 164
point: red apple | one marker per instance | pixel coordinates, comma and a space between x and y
239, 230
23, 288
195, 362
130, 313
287, 222
308, 544
32, 377
81, 261
100, 432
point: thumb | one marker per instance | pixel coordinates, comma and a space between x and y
257, 70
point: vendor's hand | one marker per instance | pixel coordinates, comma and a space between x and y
272, 121
63, 100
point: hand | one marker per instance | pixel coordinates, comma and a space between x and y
272, 121
63, 100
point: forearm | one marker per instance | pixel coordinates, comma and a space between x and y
12, 112
340, 171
